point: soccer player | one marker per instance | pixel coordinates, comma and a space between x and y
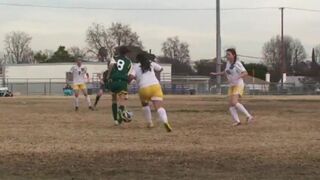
235, 72
119, 75
150, 89
102, 87
80, 74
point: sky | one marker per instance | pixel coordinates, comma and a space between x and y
247, 30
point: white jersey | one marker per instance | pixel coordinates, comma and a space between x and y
79, 74
233, 72
147, 78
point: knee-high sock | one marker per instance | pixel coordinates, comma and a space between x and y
115, 111
76, 101
88, 100
241, 108
147, 113
234, 114
163, 115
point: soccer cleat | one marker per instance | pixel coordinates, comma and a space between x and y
116, 123
91, 108
250, 119
168, 127
236, 124
76, 108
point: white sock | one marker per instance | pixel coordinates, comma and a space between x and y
147, 113
243, 110
163, 115
76, 101
88, 100
234, 114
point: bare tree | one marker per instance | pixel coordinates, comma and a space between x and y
77, 52
174, 49
122, 35
294, 53
99, 37
17, 48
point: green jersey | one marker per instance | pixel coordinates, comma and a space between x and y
121, 69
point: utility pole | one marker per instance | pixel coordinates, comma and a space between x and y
283, 63
218, 46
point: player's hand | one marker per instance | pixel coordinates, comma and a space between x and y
131, 78
213, 74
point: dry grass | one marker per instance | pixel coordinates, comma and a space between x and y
42, 138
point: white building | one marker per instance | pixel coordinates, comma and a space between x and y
56, 72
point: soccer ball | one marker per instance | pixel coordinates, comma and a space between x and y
126, 116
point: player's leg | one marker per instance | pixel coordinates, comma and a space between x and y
233, 110
114, 88
144, 98
233, 99
157, 100
115, 109
122, 98
123, 113
239, 90
162, 114
76, 97
99, 94
85, 93
147, 114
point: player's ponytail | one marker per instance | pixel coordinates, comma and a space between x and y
145, 62
234, 53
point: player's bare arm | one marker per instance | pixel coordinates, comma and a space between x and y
217, 73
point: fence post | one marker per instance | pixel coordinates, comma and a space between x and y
45, 88
50, 87
27, 87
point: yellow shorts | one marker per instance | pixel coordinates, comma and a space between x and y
79, 87
153, 92
236, 90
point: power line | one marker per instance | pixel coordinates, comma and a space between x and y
130, 9
248, 8
104, 8
153, 9
303, 9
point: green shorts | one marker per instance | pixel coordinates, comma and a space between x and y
118, 86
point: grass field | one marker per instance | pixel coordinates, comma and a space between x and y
43, 138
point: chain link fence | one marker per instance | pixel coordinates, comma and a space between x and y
55, 87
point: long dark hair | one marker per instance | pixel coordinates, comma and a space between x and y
234, 53
144, 61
